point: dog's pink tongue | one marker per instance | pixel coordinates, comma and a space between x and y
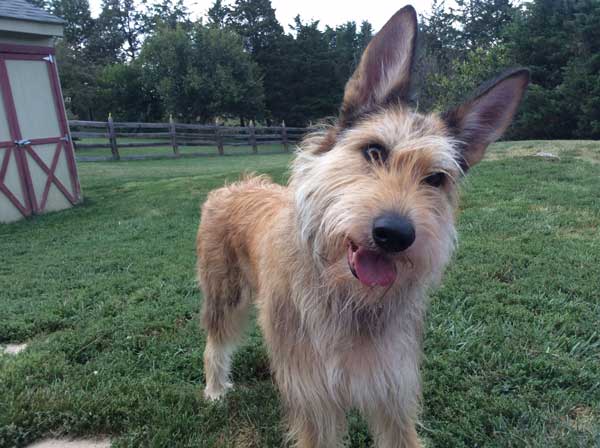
373, 268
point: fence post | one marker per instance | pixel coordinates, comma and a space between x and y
112, 138
220, 141
173, 132
253, 137
284, 136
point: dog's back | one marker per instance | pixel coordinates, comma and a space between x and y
233, 220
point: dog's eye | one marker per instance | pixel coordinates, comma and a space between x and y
375, 154
435, 179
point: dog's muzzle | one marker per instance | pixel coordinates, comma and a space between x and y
371, 267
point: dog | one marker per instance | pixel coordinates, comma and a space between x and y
339, 262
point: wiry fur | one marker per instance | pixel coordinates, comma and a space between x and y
334, 343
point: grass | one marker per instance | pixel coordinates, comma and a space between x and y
167, 149
105, 295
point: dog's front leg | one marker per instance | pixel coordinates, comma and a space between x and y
316, 427
393, 432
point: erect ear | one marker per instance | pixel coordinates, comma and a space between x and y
483, 119
384, 70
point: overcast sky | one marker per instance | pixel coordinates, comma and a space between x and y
328, 12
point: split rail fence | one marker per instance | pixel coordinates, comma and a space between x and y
111, 140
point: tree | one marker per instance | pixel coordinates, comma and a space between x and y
559, 42
79, 82
79, 22
201, 74
314, 91
364, 37
123, 93
541, 39
218, 14
264, 39
255, 21
170, 13
482, 21
443, 90
45, 4
128, 21
107, 39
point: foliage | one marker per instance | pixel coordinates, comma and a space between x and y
560, 42
201, 73
79, 20
444, 90
480, 22
557, 40
79, 79
298, 74
119, 30
124, 94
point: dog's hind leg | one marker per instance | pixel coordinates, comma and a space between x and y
225, 311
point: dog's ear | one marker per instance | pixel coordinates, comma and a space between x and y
383, 73
483, 119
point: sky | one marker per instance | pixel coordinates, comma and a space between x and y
328, 12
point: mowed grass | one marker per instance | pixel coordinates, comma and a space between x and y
105, 294
166, 150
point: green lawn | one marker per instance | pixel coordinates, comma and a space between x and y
105, 294
167, 149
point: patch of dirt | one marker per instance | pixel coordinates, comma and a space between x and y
579, 149
71, 443
247, 437
581, 418
13, 349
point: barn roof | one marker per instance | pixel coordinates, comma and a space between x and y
23, 10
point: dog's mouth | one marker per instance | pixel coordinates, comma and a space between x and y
370, 267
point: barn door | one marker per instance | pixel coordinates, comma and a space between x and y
39, 129
14, 197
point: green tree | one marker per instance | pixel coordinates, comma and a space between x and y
541, 38
202, 73
79, 83
123, 93
170, 13
264, 39
443, 90
45, 4
314, 90
106, 41
560, 42
218, 14
79, 20
482, 21
121, 25
255, 21
364, 37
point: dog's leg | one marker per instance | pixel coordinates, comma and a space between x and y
224, 320
390, 432
323, 429
217, 364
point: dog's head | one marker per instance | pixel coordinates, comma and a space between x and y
375, 194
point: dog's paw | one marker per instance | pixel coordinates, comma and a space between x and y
216, 393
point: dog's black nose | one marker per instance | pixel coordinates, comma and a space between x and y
393, 233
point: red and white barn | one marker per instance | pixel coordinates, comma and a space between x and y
37, 164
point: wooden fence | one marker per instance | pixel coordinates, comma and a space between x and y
110, 140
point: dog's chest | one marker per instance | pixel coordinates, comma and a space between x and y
371, 371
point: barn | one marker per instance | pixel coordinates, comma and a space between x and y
37, 164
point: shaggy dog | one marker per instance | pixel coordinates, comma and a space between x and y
339, 261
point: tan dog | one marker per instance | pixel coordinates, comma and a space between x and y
340, 260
